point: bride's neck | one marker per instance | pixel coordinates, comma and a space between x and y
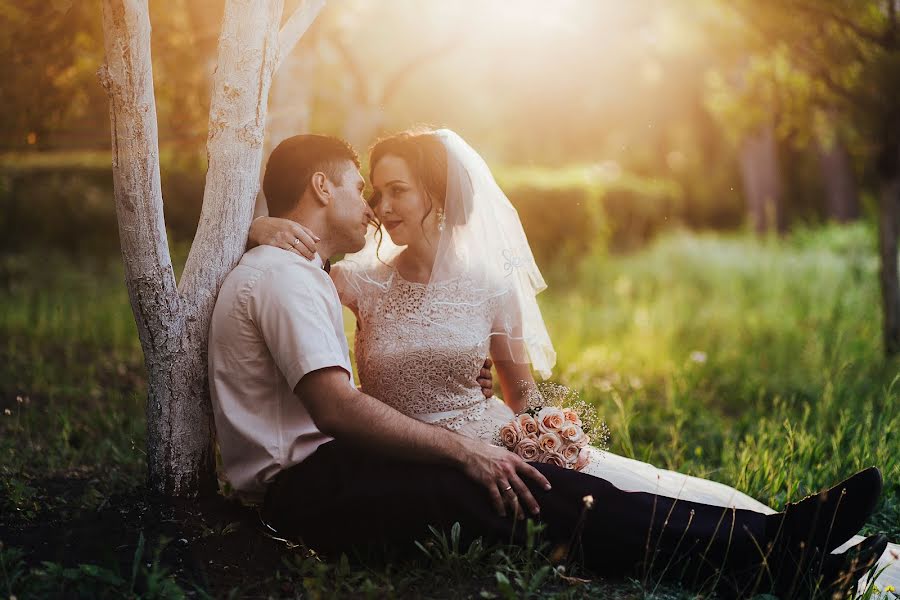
417, 261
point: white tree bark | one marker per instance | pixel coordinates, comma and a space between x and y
173, 322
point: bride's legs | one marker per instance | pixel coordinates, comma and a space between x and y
636, 476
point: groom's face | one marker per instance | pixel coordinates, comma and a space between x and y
349, 214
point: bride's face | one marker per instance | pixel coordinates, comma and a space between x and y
401, 204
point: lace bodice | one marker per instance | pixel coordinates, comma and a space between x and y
420, 348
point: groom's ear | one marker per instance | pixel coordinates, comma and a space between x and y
320, 187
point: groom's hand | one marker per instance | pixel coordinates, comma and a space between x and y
501, 472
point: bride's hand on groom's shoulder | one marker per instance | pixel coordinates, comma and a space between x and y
501, 472
282, 233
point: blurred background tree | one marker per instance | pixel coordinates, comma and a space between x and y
826, 73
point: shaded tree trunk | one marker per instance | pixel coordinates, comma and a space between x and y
888, 233
762, 180
841, 194
172, 321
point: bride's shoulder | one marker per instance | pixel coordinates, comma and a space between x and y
350, 268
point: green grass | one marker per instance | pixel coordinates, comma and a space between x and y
754, 362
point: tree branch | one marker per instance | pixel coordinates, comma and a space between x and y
401, 74
810, 62
295, 27
862, 32
127, 77
359, 79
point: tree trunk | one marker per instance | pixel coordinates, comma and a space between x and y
888, 233
841, 195
128, 79
762, 180
173, 322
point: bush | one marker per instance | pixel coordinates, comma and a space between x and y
71, 208
569, 211
566, 212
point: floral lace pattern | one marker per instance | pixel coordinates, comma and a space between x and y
420, 348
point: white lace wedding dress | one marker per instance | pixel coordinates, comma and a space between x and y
421, 352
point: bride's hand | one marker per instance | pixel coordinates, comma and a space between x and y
500, 472
282, 233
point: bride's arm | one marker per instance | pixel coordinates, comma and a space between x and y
510, 356
516, 381
282, 233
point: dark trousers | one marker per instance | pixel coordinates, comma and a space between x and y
343, 499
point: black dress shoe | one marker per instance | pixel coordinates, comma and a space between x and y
822, 522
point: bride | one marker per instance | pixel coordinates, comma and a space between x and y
449, 278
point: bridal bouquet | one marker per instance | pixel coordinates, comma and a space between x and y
548, 435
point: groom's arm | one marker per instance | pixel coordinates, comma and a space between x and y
346, 414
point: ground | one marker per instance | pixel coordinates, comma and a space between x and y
754, 362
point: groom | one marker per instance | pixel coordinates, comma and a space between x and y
345, 471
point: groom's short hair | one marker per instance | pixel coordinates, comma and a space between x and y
293, 163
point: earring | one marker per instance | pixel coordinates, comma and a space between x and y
442, 219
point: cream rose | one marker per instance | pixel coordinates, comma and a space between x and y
583, 458
571, 432
527, 449
549, 442
528, 424
553, 458
584, 441
511, 434
550, 419
571, 417
570, 453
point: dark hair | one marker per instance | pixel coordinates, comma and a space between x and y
426, 157
293, 163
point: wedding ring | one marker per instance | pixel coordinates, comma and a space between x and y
507, 488
296, 241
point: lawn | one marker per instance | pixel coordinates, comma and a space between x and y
755, 362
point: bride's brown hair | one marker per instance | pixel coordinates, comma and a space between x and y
426, 157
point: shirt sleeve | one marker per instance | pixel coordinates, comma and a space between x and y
507, 338
296, 320
348, 290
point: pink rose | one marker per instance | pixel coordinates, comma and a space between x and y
571, 433
511, 434
528, 424
570, 453
550, 419
583, 458
584, 441
549, 442
553, 458
527, 449
571, 417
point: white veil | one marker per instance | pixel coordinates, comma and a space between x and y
483, 241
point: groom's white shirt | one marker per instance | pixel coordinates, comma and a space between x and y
277, 318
